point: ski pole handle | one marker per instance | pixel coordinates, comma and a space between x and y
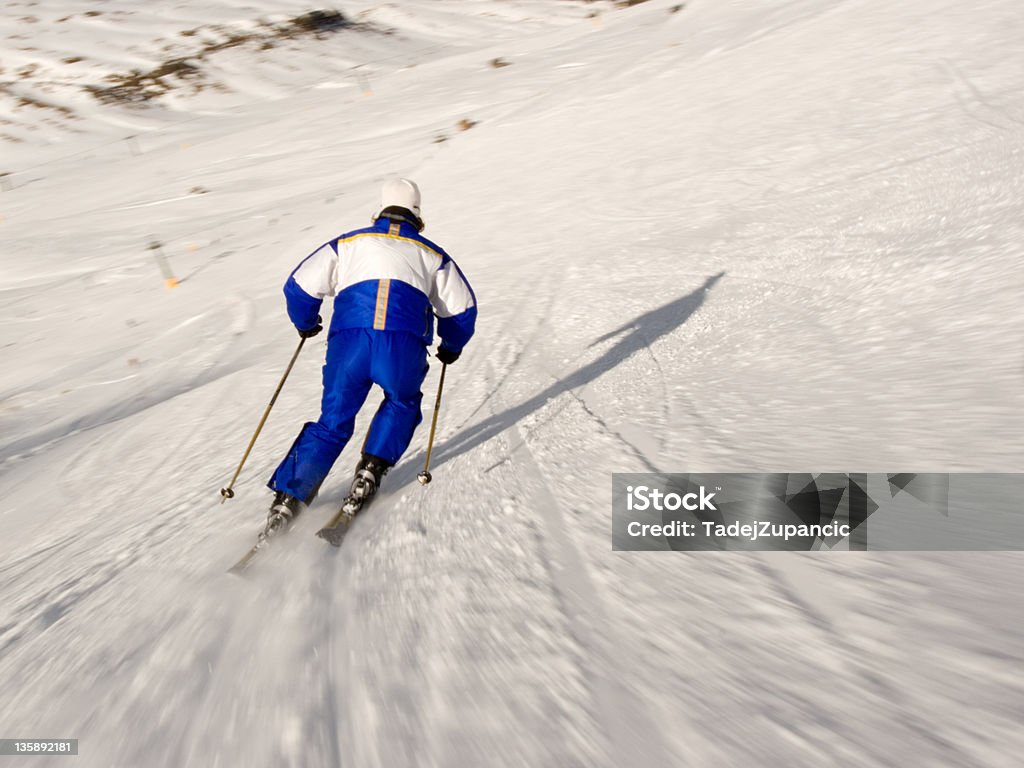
425, 477
228, 492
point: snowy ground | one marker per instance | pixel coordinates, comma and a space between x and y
726, 236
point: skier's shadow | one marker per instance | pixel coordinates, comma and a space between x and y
636, 334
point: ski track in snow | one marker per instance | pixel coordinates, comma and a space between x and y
621, 715
706, 238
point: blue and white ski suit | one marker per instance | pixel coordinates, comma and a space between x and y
389, 283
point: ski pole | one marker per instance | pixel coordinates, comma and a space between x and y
228, 493
424, 477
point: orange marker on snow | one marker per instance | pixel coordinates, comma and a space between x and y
170, 280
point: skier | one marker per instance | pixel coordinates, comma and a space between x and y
389, 283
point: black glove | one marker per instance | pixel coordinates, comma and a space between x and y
309, 333
446, 356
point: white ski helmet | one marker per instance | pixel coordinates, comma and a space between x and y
400, 193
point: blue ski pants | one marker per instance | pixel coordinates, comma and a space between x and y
357, 358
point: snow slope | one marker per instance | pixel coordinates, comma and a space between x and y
729, 236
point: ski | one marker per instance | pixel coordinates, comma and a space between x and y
275, 526
243, 564
337, 527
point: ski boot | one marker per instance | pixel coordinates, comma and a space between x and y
282, 514
368, 476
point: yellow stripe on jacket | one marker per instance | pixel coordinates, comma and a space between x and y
381, 315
